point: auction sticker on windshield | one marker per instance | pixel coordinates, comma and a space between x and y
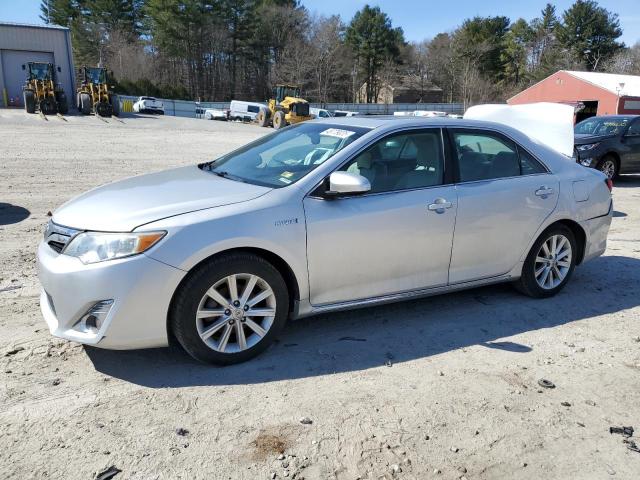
337, 132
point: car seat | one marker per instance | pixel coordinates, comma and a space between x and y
428, 169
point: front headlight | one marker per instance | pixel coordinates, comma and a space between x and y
93, 247
585, 148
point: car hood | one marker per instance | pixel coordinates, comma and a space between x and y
585, 138
124, 205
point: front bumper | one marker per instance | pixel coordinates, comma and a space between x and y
140, 287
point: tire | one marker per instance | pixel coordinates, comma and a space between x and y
85, 104
609, 166
532, 285
104, 109
279, 120
29, 101
114, 100
48, 106
63, 106
193, 296
263, 118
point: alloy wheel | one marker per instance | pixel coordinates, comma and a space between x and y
608, 167
236, 313
553, 262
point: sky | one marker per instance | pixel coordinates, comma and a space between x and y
420, 19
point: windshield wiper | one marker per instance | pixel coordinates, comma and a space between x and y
227, 175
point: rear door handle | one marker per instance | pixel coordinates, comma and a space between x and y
544, 191
439, 205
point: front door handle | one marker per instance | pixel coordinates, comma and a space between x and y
544, 191
439, 205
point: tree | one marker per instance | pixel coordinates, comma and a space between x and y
60, 12
443, 66
482, 40
517, 51
626, 61
589, 32
329, 58
373, 41
544, 43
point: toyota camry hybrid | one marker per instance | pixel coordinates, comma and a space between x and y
325, 215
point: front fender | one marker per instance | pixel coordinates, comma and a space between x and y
196, 236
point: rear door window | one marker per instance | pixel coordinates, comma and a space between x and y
483, 155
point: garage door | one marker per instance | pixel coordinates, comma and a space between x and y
14, 76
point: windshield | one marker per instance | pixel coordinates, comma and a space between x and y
39, 71
96, 75
284, 157
601, 126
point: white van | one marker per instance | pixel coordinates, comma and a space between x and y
244, 111
320, 113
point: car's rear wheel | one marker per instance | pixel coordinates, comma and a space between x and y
230, 309
609, 166
550, 263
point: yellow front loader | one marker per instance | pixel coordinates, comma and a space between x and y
285, 108
94, 96
41, 91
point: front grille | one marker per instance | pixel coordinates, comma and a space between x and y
58, 236
301, 109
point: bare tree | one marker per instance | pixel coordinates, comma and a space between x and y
329, 56
626, 61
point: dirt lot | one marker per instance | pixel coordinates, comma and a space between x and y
438, 388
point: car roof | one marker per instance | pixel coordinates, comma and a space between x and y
610, 116
391, 122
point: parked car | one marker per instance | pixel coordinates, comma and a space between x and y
344, 113
245, 111
429, 113
216, 114
609, 143
148, 105
320, 113
322, 216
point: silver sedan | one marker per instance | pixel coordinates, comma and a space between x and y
325, 215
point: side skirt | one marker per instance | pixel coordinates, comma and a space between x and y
305, 309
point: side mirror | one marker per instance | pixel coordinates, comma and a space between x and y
346, 183
24, 67
59, 70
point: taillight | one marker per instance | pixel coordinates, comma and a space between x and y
609, 183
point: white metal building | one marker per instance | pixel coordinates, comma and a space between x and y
20, 44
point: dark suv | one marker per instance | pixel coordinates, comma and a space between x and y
609, 143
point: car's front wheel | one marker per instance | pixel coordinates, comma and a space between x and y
609, 166
550, 263
230, 309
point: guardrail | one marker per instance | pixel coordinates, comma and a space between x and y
185, 108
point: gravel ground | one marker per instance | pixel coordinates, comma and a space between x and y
445, 387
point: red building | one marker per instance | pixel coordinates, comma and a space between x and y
600, 93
